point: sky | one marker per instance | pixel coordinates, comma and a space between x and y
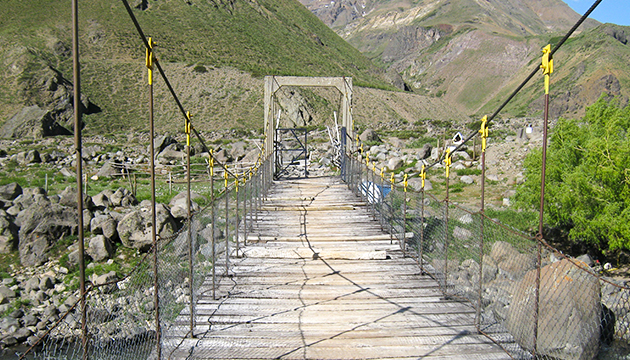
608, 11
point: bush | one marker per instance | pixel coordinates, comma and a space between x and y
588, 178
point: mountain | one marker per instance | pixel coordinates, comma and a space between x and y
215, 53
472, 53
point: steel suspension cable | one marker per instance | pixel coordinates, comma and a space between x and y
168, 83
529, 77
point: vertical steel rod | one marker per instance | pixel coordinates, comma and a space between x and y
190, 242
79, 159
543, 175
421, 247
247, 185
227, 229
156, 297
237, 217
446, 201
481, 240
214, 248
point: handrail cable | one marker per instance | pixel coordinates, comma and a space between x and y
529, 77
168, 84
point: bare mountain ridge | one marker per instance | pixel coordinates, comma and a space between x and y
472, 52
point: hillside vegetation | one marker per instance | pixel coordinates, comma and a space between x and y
213, 50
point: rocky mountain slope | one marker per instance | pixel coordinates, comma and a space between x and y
215, 53
472, 53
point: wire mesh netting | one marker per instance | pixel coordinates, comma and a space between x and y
124, 318
529, 298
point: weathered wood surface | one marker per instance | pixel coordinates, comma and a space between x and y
324, 282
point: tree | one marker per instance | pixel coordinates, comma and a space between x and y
588, 177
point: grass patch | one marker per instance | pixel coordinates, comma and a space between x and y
464, 172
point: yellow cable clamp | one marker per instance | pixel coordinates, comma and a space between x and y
382, 173
149, 60
405, 182
373, 168
236, 181
547, 66
423, 175
448, 161
188, 127
367, 159
225, 176
484, 133
211, 162
391, 180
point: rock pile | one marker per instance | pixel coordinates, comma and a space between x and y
33, 222
578, 311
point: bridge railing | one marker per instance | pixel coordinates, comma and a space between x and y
529, 298
125, 319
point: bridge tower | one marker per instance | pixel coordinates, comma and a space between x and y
275, 83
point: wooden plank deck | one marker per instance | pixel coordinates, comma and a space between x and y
320, 280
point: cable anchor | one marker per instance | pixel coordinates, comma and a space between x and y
547, 66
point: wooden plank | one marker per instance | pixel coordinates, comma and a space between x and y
358, 298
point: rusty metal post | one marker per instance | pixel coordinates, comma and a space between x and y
539, 237
391, 210
447, 161
212, 228
403, 240
190, 242
227, 224
245, 212
156, 284
484, 137
421, 246
237, 219
79, 171
547, 67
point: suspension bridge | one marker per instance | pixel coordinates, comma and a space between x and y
320, 279
352, 266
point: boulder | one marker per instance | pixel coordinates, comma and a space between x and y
222, 156
134, 229
466, 180
461, 233
394, 163
10, 191
8, 235
68, 197
179, 210
238, 150
32, 121
102, 280
100, 248
6, 294
46, 283
111, 169
101, 201
251, 157
122, 197
104, 225
510, 261
169, 155
41, 228
425, 152
569, 314
29, 157
161, 142
369, 135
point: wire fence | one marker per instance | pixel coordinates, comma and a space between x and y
530, 298
124, 319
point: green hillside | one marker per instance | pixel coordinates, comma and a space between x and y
195, 39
